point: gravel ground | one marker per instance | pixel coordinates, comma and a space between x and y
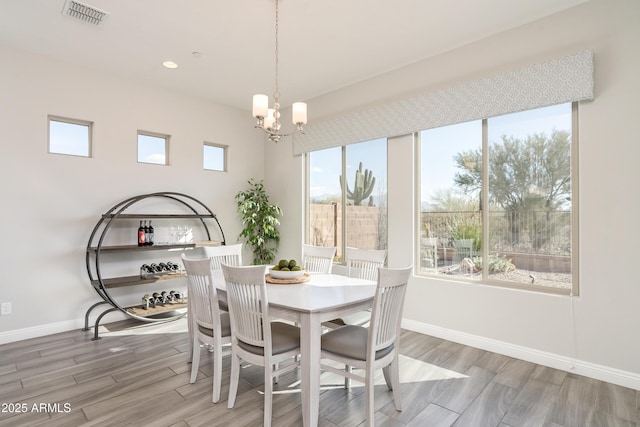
554, 280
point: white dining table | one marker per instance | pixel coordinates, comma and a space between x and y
324, 297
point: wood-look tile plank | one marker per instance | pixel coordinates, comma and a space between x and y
515, 373
461, 392
415, 398
489, 408
157, 406
434, 416
575, 403
23, 419
618, 401
37, 389
73, 418
8, 368
532, 405
30, 369
72, 394
601, 419
550, 375
464, 358
133, 392
492, 361
73, 370
9, 389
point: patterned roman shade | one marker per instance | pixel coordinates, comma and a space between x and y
565, 79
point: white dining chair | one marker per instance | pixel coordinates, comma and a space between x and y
209, 324
362, 264
318, 259
224, 254
375, 347
463, 249
255, 339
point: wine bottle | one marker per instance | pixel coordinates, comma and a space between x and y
146, 234
141, 235
150, 233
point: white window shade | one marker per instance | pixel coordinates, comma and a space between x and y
565, 79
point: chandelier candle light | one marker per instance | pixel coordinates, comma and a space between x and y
268, 119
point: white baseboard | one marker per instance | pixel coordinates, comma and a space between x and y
40, 330
53, 328
579, 367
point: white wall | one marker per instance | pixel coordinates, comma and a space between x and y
603, 339
50, 203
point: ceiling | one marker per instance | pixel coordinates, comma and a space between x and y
324, 45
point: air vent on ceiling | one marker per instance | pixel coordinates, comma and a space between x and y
84, 12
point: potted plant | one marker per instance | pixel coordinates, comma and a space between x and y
260, 221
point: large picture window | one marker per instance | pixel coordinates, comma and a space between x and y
347, 196
501, 190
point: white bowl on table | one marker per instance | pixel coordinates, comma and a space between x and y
284, 275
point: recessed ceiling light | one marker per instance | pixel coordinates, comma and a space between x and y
170, 64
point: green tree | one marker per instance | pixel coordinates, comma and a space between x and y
260, 220
531, 174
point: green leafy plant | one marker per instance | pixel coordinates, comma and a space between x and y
497, 264
260, 220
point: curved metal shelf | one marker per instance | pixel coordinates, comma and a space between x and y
96, 248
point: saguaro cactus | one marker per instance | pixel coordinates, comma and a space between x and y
363, 186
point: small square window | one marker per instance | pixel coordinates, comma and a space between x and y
214, 157
70, 136
153, 148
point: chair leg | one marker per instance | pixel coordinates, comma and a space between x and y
268, 394
217, 373
369, 399
394, 371
387, 377
234, 379
276, 377
195, 360
347, 380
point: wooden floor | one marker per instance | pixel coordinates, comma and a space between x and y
140, 376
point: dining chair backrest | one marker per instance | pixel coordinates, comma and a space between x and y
364, 263
203, 295
386, 313
224, 254
248, 305
318, 259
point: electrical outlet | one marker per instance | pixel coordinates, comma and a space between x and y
5, 308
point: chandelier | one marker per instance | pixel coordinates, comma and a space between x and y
268, 119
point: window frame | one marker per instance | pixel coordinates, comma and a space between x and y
574, 290
153, 135
225, 151
343, 196
70, 121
